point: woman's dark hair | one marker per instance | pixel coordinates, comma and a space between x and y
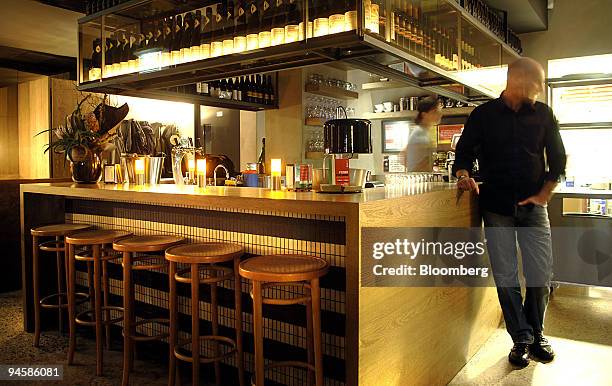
426, 105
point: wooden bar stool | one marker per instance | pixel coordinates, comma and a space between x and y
58, 231
129, 246
203, 259
275, 271
95, 239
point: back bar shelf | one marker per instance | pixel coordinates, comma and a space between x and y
149, 46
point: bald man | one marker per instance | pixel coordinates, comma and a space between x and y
521, 156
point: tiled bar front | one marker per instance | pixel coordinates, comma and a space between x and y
260, 233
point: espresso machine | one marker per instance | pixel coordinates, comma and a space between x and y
343, 138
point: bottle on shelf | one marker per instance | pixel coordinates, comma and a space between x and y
95, 67
292, 22
240, 26
335, 12
167, 41
177, 37
206, 33
196, 51
216, 47
253, 25
265, 34
261, 161
277, 32
271, 92
185, 38
320, 15
228, 28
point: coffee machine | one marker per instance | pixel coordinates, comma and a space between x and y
343, 138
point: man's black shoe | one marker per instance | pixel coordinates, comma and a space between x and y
519, 355
540, 349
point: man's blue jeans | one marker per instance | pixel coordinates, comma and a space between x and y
530, 227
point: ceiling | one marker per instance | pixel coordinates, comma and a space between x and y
72, 5
524, 15
21, 60
9, 77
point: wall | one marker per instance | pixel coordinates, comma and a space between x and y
576, 28
9, 138
33, 117
33, 26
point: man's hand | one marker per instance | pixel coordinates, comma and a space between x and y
468, 184
542, 197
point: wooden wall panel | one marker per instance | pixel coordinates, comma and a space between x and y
284, 126
33, 117
9, 135
422, 336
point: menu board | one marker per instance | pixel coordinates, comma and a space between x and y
446, 132
395, 136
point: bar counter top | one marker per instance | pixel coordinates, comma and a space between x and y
246, 198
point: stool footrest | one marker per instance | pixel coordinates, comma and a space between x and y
184, 275
87, 255
148, 263
63, 296
79, 318
187, 356
284, 302
148, 338
52, 246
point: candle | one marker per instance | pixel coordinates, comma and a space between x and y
201, 168
191, 167
276, 173
140, 171
278, 36
240, 44
252, 42
276, 166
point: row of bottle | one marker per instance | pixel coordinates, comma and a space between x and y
223, 28
93, 6
484, 14
422, 35
253, 88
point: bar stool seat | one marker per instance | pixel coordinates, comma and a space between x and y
289, 270
201, 259
99, 314
128, 246
59, 299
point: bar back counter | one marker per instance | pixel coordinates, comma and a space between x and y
371, 336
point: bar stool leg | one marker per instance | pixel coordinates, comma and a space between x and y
258, 333
91, 289
195, 323
58, 257
127, 317
238, 319
315, 294
71, 304
107, 314
98, 309
309, 340
215, 327
35, 278
173, 324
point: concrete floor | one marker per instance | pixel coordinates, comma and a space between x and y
578, 327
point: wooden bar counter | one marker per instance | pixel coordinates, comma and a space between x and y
371, 336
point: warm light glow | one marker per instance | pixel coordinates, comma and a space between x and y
186, 55
278, 36
166, 59
191, 166
150, 61
205, 51
139, 166
228, 46
583, 104
196, 53
321, 27
265, 38
374, 18
201, 166
301, 30
176, 57
336, 23
292, 33
350, 20
252, 42
151, 110
95, 74
240, 44
580, 65
588, 155
125, 68
489, 80
275, 167
216, 49
132, 66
